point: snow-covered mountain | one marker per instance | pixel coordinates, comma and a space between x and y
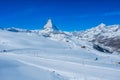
103, 38
52, 54
106, 37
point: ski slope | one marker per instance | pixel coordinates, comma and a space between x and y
29, 67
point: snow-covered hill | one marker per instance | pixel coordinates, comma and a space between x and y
52, 54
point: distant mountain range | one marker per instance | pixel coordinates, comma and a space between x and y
102, 38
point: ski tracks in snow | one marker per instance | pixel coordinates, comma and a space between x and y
66, 70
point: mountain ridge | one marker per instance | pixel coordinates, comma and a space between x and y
105, 37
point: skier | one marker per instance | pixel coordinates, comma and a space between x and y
96, 59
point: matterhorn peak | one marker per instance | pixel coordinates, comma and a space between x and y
49, 26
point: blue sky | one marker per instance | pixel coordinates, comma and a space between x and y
68, 15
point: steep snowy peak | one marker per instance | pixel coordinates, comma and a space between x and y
51, 31
49, 27
101, 30
48, 24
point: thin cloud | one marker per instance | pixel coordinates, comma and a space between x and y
111, 14
103, 14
